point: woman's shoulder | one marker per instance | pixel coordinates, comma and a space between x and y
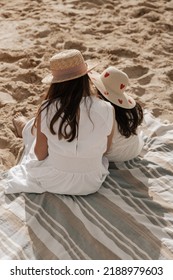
47, 104
102, 108
105, 111
100, 103
48, 109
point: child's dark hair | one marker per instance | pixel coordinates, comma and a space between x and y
67, 97
127, 119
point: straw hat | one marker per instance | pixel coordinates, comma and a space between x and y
112, 84
66, 65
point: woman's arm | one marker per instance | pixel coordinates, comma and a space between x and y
41, 147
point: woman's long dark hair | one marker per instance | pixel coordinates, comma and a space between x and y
67, 97
127, 119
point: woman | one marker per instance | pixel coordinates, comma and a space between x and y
73, 131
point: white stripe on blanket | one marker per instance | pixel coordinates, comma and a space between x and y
130, 217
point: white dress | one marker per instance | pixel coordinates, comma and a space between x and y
122, 148
74, 168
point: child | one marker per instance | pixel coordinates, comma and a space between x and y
127, 141
73, 131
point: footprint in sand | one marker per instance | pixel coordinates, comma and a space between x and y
105, 28
20, 91
28, 78
7, 159
135, 72
123, 52
146, 79
96, 2
139, 12
171, 98
6, 98
10, 57
4, 142
29, 63
170, 74
42, 33
167, 47
157, 112
75, 45
152, 16
139, 91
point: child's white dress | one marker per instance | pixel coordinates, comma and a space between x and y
122, 148
74, 168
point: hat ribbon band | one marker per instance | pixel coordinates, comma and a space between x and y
69, 72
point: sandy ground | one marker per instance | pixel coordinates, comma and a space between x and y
136, 36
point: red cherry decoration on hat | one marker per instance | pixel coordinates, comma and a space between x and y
120, 101
106, 75
122, 86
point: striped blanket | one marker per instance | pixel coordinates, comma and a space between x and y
130, 217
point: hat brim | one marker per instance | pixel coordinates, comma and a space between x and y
50, 79
122, 100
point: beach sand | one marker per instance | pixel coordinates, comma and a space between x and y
135, 36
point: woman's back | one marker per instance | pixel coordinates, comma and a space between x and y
95, 124
77, 167
73, 131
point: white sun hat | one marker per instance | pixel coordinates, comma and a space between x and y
112, 84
